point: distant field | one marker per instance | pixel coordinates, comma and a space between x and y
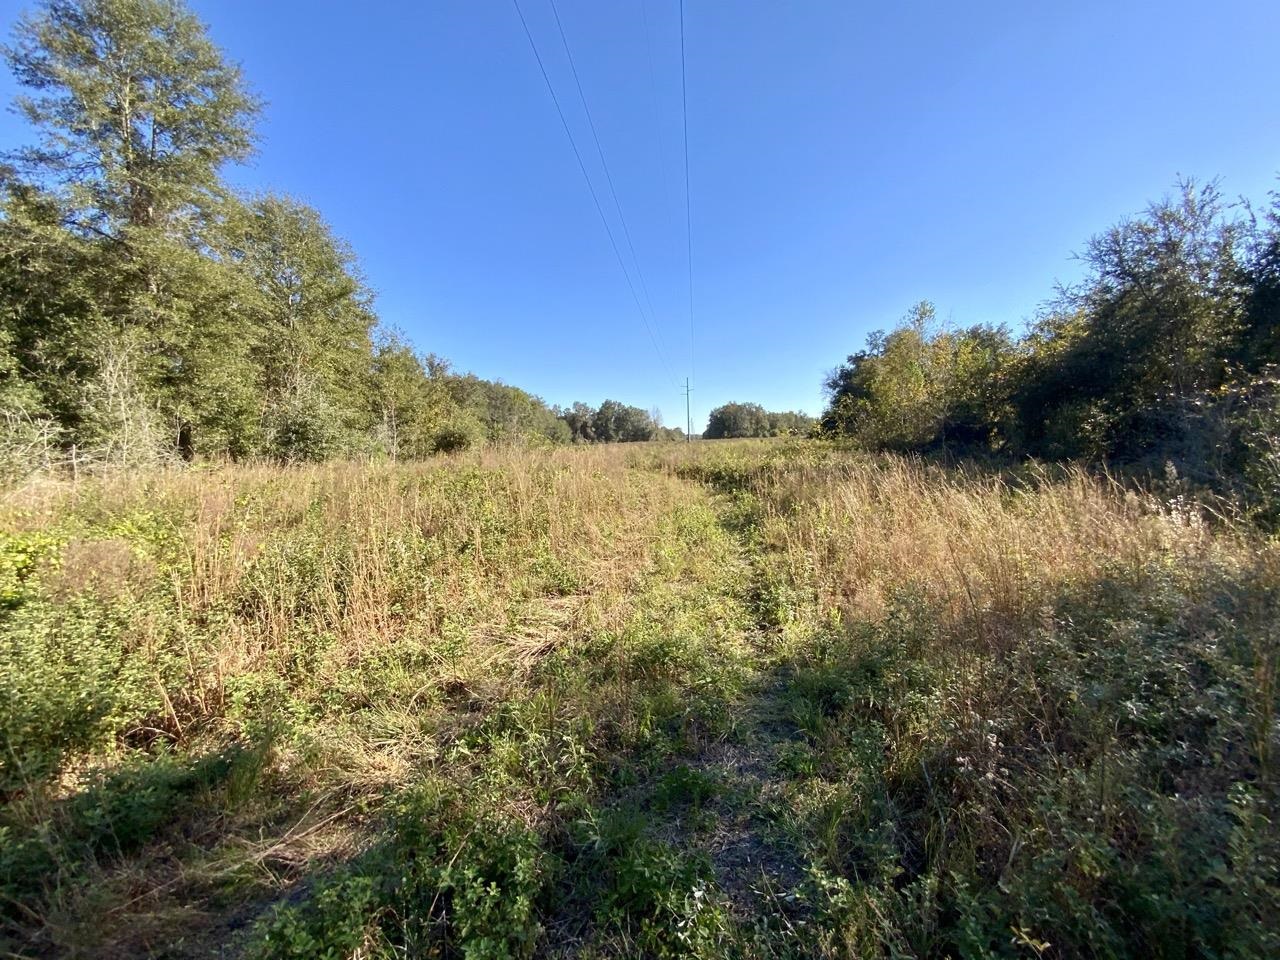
746, 699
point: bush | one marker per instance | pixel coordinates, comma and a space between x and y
452, 874
456, 437
69, 684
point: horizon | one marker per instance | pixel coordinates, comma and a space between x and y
460, 196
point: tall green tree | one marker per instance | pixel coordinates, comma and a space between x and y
411, 402
923, 385
311, 317
137, 110
1157, 320
616, 422
580, 419
1260, 344
753, 420
737, 420
136, 113
1163, 357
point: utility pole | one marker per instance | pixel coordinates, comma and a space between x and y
688, 416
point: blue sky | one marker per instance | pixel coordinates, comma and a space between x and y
847, 160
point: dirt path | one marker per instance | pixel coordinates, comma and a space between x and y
739, 780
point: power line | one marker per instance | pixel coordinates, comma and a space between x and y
590, 187
688, 214
657, 117
591, 123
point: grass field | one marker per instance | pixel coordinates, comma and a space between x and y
741, 699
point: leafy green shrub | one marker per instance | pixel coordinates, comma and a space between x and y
1094, 793
647, 888
340, 920
294, 577
69, 682
21, 556
456, 437
304, 425
452, 874
684, 787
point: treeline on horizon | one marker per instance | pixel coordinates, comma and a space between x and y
149, 312
737, 420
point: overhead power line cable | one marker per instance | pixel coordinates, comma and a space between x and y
613, 243
608, 176
688, 208
667, 204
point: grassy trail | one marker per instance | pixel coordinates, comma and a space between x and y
732, 783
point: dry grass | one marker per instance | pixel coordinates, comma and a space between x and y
905, 659
358, 616
981, 546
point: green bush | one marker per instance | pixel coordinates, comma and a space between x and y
21, 557
1101, 795
646, 888
70, 682
452, 874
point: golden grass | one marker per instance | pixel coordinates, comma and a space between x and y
362, 618
860, 530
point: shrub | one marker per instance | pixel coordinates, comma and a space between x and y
69, 684
449, 875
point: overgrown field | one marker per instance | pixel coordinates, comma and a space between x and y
740, 700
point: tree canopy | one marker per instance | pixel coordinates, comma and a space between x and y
148, 311
752, 420
614, 422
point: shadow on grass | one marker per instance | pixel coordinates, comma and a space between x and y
50, 847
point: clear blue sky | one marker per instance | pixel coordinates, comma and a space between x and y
848, 159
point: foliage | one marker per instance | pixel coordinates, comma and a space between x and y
1169, 336
737, 420
137, 108
149, 313
614, 422
751, 699
447, 872
69, 683
921, 386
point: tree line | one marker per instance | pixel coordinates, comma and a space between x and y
752, 420
148, 311
1164, 356
615, 422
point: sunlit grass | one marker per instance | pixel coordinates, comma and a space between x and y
756, 699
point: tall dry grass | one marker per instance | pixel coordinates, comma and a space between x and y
981, 546
936, 681
1026, 693
367, 555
